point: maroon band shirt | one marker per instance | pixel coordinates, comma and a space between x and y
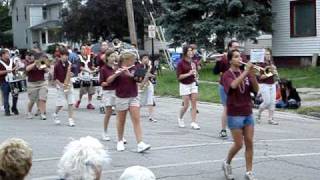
35, 74
2, 68
238, 100
105, 73
268, 80
126, 86
60, 71
184, 67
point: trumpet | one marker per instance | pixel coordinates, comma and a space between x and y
42, 63
266, 71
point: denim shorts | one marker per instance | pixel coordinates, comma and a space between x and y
223, 95
239, 122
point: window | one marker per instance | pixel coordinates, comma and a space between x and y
17, 14
25, 13
27, 40
303, 18
44, 12
43, 37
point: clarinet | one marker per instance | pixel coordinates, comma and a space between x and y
196, 75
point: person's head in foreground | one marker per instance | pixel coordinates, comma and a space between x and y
83, 159
137, 173
15, 159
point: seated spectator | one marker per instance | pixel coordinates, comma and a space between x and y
82, 160
137, 173
15, 159
289, 96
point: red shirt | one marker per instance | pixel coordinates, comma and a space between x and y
35, 74
60, 71
184, 67
126, 87
2, 68
268, 80
99, 61
105, 73
238, 102
224, 65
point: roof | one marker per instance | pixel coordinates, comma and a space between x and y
47, 25
43, 2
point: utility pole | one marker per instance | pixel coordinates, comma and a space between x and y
131, 23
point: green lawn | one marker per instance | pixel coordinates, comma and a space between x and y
301, 77
169, 86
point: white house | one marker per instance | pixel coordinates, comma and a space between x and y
296, 36
36, 22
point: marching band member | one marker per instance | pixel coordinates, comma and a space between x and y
146, 88
268, 89
109, 97
86, 73
238, 84
223, 66
37, 85
186, 74
62, 75
127, 100
7, 68
100, 62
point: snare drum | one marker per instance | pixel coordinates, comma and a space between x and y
85, 83
95, 81
18, 86
76, 82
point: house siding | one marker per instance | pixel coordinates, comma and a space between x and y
19, 33
55, 12
35, 15
285, 46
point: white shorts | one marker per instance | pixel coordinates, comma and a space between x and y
123, 104
187, 89
109, 98
147, 96
64, 98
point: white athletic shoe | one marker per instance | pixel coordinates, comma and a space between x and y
272, 122
181, 123
56, 119
105, 136
71, 122
142, 147
250, 176
29, 115
43, 117
120, 146
194, 126
227, 169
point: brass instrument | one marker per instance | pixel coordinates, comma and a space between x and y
145, 83
42, 63
266, 71
67, 80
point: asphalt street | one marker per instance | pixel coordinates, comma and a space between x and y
288, 151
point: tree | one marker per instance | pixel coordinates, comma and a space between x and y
5, 25
100, 18
209, 22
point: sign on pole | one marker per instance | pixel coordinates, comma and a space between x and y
152, 31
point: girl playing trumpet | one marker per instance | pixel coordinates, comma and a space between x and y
268, 89
238, 84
